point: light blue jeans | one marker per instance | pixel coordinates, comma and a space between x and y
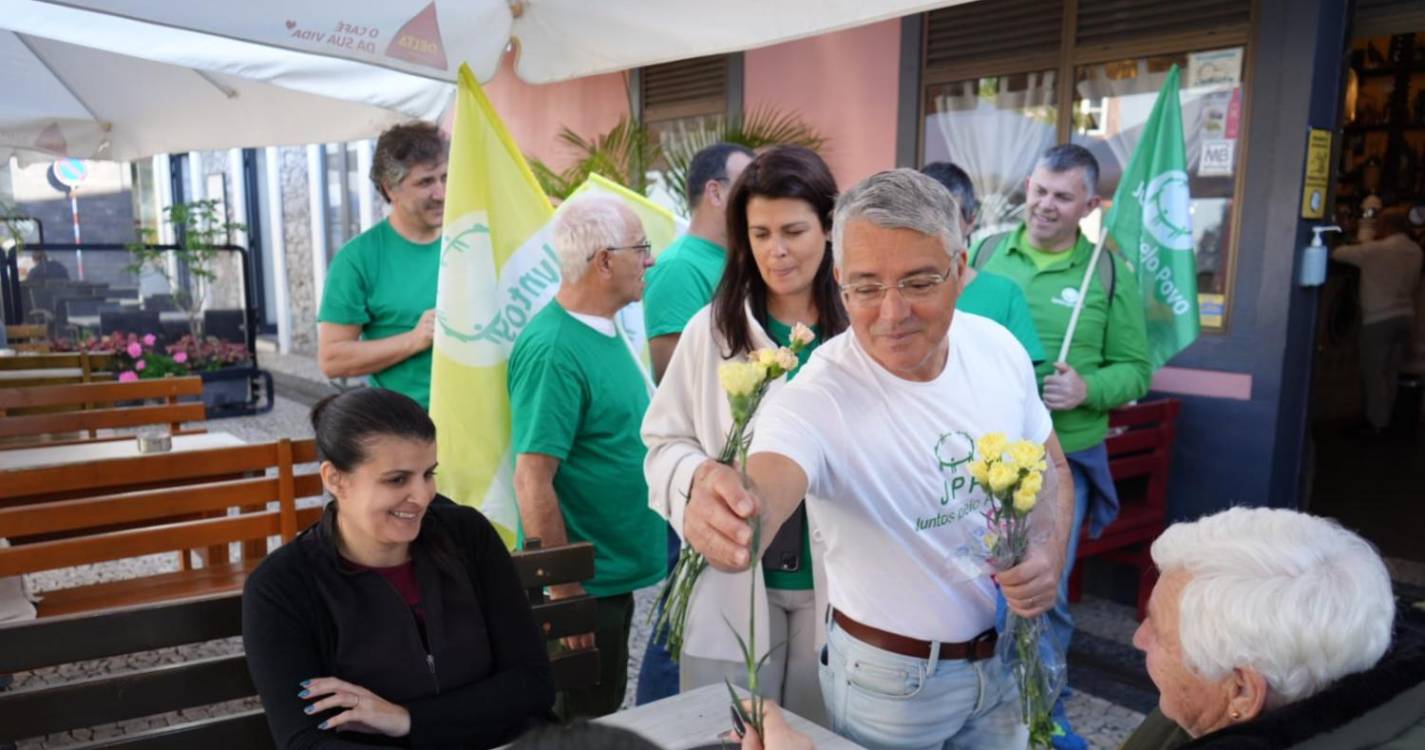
879, 699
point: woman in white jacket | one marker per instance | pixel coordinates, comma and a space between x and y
778, 274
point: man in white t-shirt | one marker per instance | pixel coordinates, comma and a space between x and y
877, 431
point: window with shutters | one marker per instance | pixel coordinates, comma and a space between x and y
1002, 81
684, 96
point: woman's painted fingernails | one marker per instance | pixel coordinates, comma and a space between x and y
310, 709
304, 693
324, 724
306, 683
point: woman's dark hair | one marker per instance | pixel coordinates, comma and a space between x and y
582, 735
783, 172
347, 422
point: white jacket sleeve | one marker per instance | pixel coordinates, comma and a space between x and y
670, 427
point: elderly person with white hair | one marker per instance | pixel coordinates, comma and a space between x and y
876, 432
1267, 629
577, 399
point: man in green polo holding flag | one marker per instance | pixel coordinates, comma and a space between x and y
1110, 317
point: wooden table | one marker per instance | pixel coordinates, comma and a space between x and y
58, 455
697, 718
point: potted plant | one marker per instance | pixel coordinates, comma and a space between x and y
201, 229
223, 365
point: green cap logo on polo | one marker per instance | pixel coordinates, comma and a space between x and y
1165, 210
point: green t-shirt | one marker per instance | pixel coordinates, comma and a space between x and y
1110, 347
577, 395
1002, 301
384, 283
800, 579
681, 283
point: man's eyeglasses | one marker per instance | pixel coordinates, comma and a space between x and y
644, 248
917, 287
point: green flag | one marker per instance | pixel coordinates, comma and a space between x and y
1149, 220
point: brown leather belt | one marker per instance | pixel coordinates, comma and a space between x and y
980, 647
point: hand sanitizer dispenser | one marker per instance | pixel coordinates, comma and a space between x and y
1314, 256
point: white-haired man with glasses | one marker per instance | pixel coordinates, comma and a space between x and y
577, 398
909, 656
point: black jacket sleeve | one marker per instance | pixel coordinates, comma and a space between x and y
279, 635
521, 687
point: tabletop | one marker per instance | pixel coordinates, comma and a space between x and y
57, 455
699, 716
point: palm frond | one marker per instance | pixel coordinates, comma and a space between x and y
760, 126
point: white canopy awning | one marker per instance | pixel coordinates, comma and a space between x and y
556, 39
75, 83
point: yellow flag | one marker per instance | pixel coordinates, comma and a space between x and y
498, 268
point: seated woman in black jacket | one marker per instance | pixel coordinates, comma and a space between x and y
398, 619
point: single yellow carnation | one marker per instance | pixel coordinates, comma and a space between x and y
1027, 455
1024, 499
991, 446
1032, 482
802, 336
787, 360
980, 470
1002, 477
739, 378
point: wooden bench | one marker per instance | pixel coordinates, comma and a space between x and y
539, 568
77, 514
37, 711
90, 366
27, 338
30, 415
1140, 457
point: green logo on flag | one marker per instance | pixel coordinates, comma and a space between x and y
1151, 221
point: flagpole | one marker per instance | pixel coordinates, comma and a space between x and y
1079, 303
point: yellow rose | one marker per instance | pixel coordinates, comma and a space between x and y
1027, 455
739, 378
980, 470
1024, 499
801, 336
991, 446
991, 539
1032, 482
1002, 477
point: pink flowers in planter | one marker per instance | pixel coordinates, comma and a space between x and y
144, 357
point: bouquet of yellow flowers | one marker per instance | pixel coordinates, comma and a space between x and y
1013, 476
746, 383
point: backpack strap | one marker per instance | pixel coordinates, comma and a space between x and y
988, 248
1107, 272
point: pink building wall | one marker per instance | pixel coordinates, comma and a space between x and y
845, 84
534, 114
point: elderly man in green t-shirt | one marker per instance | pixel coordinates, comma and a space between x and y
577, 397
378, 309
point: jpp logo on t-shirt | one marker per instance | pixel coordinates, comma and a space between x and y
960, 494
1068, 297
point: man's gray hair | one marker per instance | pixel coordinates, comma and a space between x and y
1069, 156
900, 199
1296, 597
585, 226
402, 147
